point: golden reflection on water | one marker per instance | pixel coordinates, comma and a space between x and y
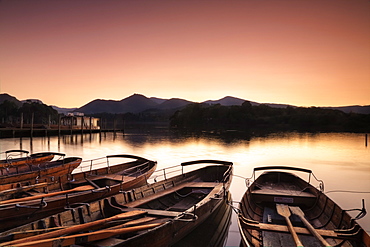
341, 160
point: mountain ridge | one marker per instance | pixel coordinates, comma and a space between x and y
137, 103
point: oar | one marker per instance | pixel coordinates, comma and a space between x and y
299, 212
24, 234
23, 188
75, 228
283, 210
85, 237
139, 221
81, 188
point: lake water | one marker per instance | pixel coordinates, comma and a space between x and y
342, 160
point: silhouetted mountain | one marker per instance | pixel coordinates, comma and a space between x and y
228, 101
5, 96
277, 105
29, 101
353, 109
135, 103
174, 104
158, 100
63, 110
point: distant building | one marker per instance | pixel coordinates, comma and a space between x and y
79, 121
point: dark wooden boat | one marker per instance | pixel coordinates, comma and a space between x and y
157, 214
281, 209
51, 195
213, 232
35, 158
26, 172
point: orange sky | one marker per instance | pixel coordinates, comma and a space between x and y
305, 53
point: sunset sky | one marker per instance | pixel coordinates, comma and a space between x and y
68, 53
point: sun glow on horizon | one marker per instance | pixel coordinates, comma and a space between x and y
306, 53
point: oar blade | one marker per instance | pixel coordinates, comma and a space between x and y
296, 210
283, 210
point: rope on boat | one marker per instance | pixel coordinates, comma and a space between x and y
235, 209
247, 180
347, 191
363, 211
234, 175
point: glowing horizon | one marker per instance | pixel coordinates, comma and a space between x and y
302, 53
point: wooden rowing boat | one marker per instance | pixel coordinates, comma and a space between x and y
213, 232
281, 209
31, 159
27, 172
48, 196
167, 210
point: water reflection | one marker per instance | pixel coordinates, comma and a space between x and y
342, 160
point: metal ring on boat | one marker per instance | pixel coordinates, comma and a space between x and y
195, 217
321, 186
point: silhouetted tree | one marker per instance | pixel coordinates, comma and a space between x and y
246, 117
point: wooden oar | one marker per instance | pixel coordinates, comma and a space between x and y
24, 234
23, 188
283, 210
85, 237
29, 198
132, 222
299, 212
284, 229
75, 228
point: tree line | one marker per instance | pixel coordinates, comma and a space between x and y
199, 117
10, 113
205, 117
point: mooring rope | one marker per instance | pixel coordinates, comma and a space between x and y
347, 191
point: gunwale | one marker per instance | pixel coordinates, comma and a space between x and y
32, 172
31, 159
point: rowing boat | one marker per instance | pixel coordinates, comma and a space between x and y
28, 203
281, 209
26, 172
31, 159
167, 211
213, 232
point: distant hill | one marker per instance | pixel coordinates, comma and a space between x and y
29, 101
5, 96
174, 104
354, 109
277, 105
137, 103
228, 101
63, 110
158, 100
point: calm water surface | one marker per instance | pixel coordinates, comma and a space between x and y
342, 160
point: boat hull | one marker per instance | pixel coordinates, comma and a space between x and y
22, 173
106, 179
29, 160
179, 205
262, 224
